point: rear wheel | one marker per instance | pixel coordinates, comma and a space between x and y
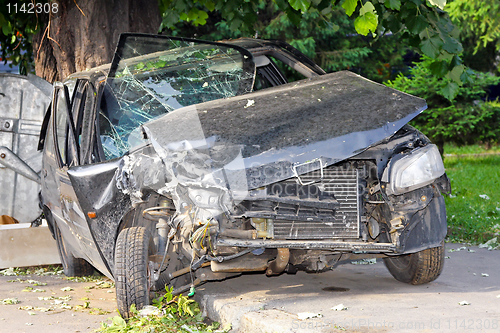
417, 268
71, 266
133, 277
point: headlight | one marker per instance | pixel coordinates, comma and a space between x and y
421, 167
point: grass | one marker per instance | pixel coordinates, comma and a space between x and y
473, 209
472, 149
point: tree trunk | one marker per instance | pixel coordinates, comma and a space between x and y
84, 33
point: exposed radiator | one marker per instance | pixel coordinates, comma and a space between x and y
342, 182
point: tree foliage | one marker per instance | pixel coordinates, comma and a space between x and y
16, 34
422, 23
479, 24
469, 118
479, 19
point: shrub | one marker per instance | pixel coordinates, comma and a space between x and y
467, 119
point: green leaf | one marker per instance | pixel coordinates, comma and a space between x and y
438, 3
210, 5
450, 90
367, 8
393, 4
302, 5
201, 19
350, 6
431, 47
439, 68
235, 24
7, 29
456, 74
452, 45
119, 322
416, 24
367, 20
366, 23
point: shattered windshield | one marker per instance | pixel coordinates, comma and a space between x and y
153, 75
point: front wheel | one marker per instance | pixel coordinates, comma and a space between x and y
417, 268
133, 277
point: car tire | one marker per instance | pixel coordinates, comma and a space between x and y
71, 266
132, 275
417, 268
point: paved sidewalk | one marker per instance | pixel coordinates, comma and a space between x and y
375, 301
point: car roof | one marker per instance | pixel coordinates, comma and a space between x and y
255, 46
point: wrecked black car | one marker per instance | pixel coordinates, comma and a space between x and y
186, 161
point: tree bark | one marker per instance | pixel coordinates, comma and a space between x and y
84, 33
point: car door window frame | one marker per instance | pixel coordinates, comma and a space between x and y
62, 161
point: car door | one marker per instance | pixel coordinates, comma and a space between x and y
62, 152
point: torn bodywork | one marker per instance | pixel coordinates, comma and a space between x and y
180, 163
311, 185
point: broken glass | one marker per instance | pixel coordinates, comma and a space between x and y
151, 76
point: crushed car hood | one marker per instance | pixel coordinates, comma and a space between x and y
249, 141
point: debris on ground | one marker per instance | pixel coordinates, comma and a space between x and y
457, 250
8, 272
464, 303
66, 289
492, 244
308, 315
8, 301
484, 196
371, 261
484, 275
250, 103
150, 311
339, 307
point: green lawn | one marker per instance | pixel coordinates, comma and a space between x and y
473, 209
472, 149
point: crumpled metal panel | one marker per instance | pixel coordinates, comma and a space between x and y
22, 107
213, 153
275, 134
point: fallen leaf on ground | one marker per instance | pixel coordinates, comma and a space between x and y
8, 301
308, 315
66, 289
456, 250
8, 272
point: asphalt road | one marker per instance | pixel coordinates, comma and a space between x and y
375, 301
80, 308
